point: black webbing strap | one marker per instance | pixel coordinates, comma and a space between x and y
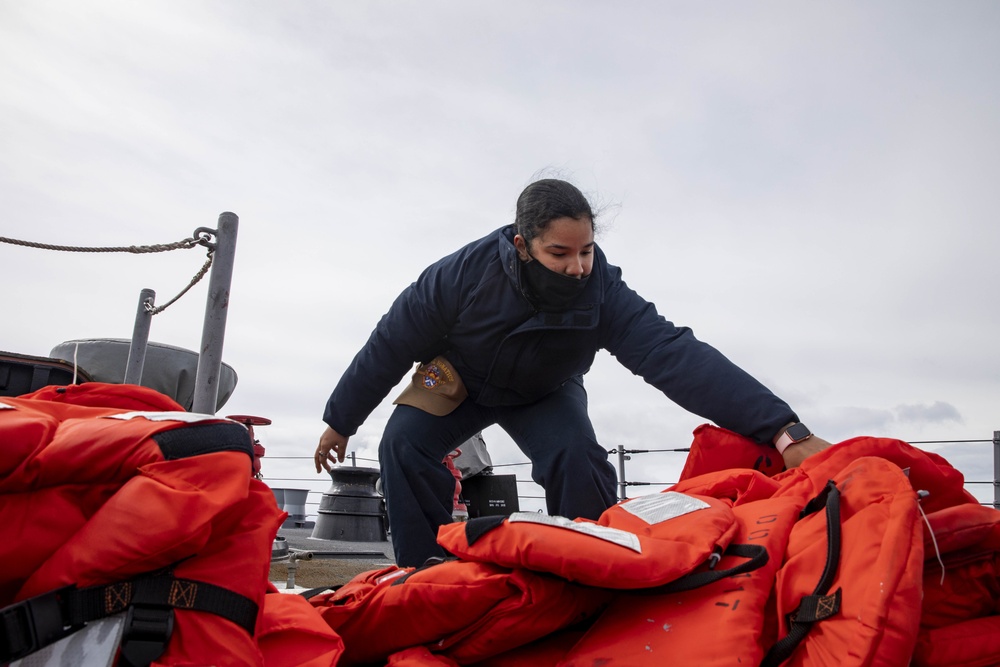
197, 439
313, 592
479, 526
820, 605
37, 622
27, 626
755, 554
430, 562
88, 604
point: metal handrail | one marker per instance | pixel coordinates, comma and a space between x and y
626, 452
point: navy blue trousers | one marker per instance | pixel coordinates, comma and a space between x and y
555, 434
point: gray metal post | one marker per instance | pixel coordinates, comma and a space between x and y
996, 470
621, 473
206, 383
140, 337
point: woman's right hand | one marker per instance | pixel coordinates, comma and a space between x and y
330, 442
795, 454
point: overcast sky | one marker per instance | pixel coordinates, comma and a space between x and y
812, 187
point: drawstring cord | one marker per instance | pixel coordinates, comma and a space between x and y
920, 496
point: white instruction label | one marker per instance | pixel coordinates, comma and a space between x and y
613, 535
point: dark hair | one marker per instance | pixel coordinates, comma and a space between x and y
543, 201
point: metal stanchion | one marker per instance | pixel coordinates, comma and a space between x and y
140, 337
206, 390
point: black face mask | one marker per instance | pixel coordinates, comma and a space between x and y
548, 290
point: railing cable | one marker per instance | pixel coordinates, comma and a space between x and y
202, 236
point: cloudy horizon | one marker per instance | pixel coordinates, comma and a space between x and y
808, 186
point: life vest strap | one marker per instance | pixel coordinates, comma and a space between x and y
198, 439
146, 634
756, 555
479, 526
37, 622
817, 608
32, 624
819, 605
310, 593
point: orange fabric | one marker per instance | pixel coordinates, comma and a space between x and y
623, 549
960, 625
879, 574
718, 625
463, 610
108, 398
544, 652
927, 471
961, 527
736, 487
449, 462
419, 656
472, 611
735, 621
98, 503
967, 537
292, 634
972, 643
715, 449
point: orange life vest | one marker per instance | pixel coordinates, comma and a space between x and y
722, 623
849, 579
116, 500
640, 543
840, 586
463, 610
960, 625
813, 603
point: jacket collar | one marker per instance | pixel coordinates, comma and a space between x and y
593, 293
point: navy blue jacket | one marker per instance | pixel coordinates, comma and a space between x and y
469, 306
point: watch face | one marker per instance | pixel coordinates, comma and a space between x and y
798, 432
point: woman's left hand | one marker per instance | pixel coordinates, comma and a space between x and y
332, 446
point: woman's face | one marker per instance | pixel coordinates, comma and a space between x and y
566, 246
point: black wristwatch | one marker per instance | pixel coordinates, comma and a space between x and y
792, 435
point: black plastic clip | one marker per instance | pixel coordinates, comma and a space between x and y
32, 624
146, 633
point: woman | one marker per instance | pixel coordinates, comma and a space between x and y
506, 328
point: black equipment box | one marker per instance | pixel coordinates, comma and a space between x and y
490, 495
23, 374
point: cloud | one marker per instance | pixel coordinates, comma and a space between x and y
839, 423
937, 412
809, 188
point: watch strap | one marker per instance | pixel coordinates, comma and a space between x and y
786, 439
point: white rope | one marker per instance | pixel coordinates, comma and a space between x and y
920, 496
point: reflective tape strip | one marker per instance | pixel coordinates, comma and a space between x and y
613, 535
187, 417
659, 507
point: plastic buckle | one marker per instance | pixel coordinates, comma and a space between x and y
146, 633
32, 624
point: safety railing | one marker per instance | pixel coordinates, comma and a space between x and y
529, 491
221, 246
